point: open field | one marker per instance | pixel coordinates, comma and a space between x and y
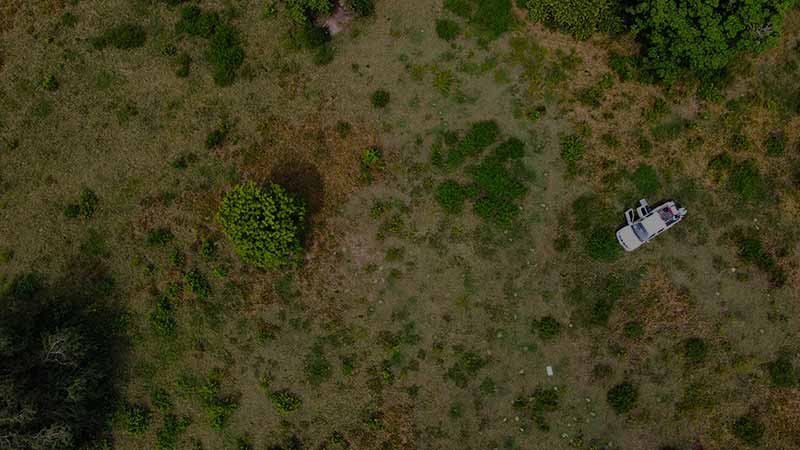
417, 319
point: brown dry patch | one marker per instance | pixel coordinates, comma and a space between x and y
662, 306
398, 429
783, 418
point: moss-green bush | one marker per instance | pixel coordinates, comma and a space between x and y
162, 319
749, 430
285, 402
695, 349
447, 29
490, 18
547, 327
362, 8
217, 408
196, 22
782, 372
380, 98
746, 180
646, 180
751, 250
167, 435
602, 245
264, 225
225, 54
159, 237
633, 330
580, 18
50, 83
85, 207
623, 397
480, 136
184, 63
125, 36
217, 136
137, 419
451, 196
775, 144
572, 149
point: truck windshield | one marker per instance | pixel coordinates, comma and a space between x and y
640, 232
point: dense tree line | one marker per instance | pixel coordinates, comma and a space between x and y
56, 366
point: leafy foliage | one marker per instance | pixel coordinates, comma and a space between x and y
645, 178
572, 149
447, 29
776, 144
167, 435
465, 368
217, 408
579, 18
451, 196
751, 250
490, 18
225, 53
703, 37
749, 430
264, 225
86, 206
547, 327
380, 98
162, 319
782, 372
124, 37
695, 349
57, 358
622, 397
137, 419
745, 180
285, 402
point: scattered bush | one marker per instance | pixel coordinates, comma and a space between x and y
623, 397
580, 18
451, 196
196, 283
86, 206
746, 180
782, 373
602, 245
217, 136
162, 319
751, 250
447, 29
633, 330
137, 419
645, 178
480, 136
548, 327
124, 37
749, 430
184, 62
50, 83
309, 36
196, 22
160, 399
695, 349
167, 436
465, 368
323, 55
491, 18
225, 54
217, 408
159, 237
317, 367
265, 226
285, 402
371, 157
380, 98
572, 149
776, 144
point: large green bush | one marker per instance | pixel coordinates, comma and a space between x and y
265, 225
703, 36
623, 397
579, 18
124, 37
749, 430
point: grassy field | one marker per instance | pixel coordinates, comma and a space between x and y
421, 316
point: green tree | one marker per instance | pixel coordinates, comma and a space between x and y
265, 225
703, 37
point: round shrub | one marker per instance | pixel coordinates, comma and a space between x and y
633, 330
450, 196
264, 225
623, 397
548, 327
695, 349
602, 245
572, 148
748, 430
782, 373
776, 144
124, 37
447, 29
380, 98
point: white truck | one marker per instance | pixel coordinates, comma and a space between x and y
650, 223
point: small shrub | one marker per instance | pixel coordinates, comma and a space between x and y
225, 54
124, 37
572, 149
602, 245
343, 128
580, 18
68, 19
782, 373
622, 397
159, 237
217, 137
776, 144
746, 180
371, 157
184, 62
285, 402
167, 436
633, 330
265, 226
465, 368
162, 319
50, 83
380, 98
749, 430
447, 29
480, 136
197, 284
323, 55
451, 196
309, 36
137, 419
695, 349
645, 178
218, 409
196, 22
548, 327
317, 367
461, 8
751, 250
161, 400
